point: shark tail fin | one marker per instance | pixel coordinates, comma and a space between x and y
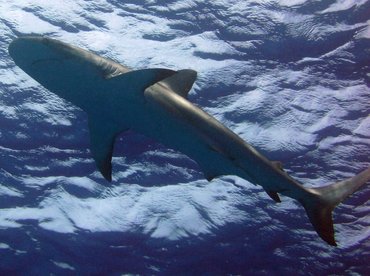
325, 199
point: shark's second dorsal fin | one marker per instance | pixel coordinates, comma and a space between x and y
102, 136
278, 165
181, 82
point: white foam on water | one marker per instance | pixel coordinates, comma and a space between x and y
288, 109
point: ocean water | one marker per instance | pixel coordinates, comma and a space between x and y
290, 77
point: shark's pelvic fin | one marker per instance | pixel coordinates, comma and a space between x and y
181, 82
273, 195
208, 172
209, 175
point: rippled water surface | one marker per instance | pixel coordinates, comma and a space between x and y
290, 77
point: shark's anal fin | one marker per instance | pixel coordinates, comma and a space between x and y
102, 136
181, 82
273, 194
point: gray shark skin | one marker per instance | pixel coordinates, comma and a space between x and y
153, 102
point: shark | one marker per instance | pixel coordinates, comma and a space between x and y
154, 102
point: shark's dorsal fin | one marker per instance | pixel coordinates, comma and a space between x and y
141, 79
102, 136
181, 82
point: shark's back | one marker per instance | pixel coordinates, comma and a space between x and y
109, 92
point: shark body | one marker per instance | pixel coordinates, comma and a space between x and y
154, 102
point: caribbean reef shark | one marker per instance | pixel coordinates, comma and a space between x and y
154, 102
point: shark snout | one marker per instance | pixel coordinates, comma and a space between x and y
25, 51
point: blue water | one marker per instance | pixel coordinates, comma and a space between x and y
290, 77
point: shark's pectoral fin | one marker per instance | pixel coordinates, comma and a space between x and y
102, 136
141, 79
181, 82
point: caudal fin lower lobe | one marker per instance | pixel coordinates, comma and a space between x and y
323, 200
